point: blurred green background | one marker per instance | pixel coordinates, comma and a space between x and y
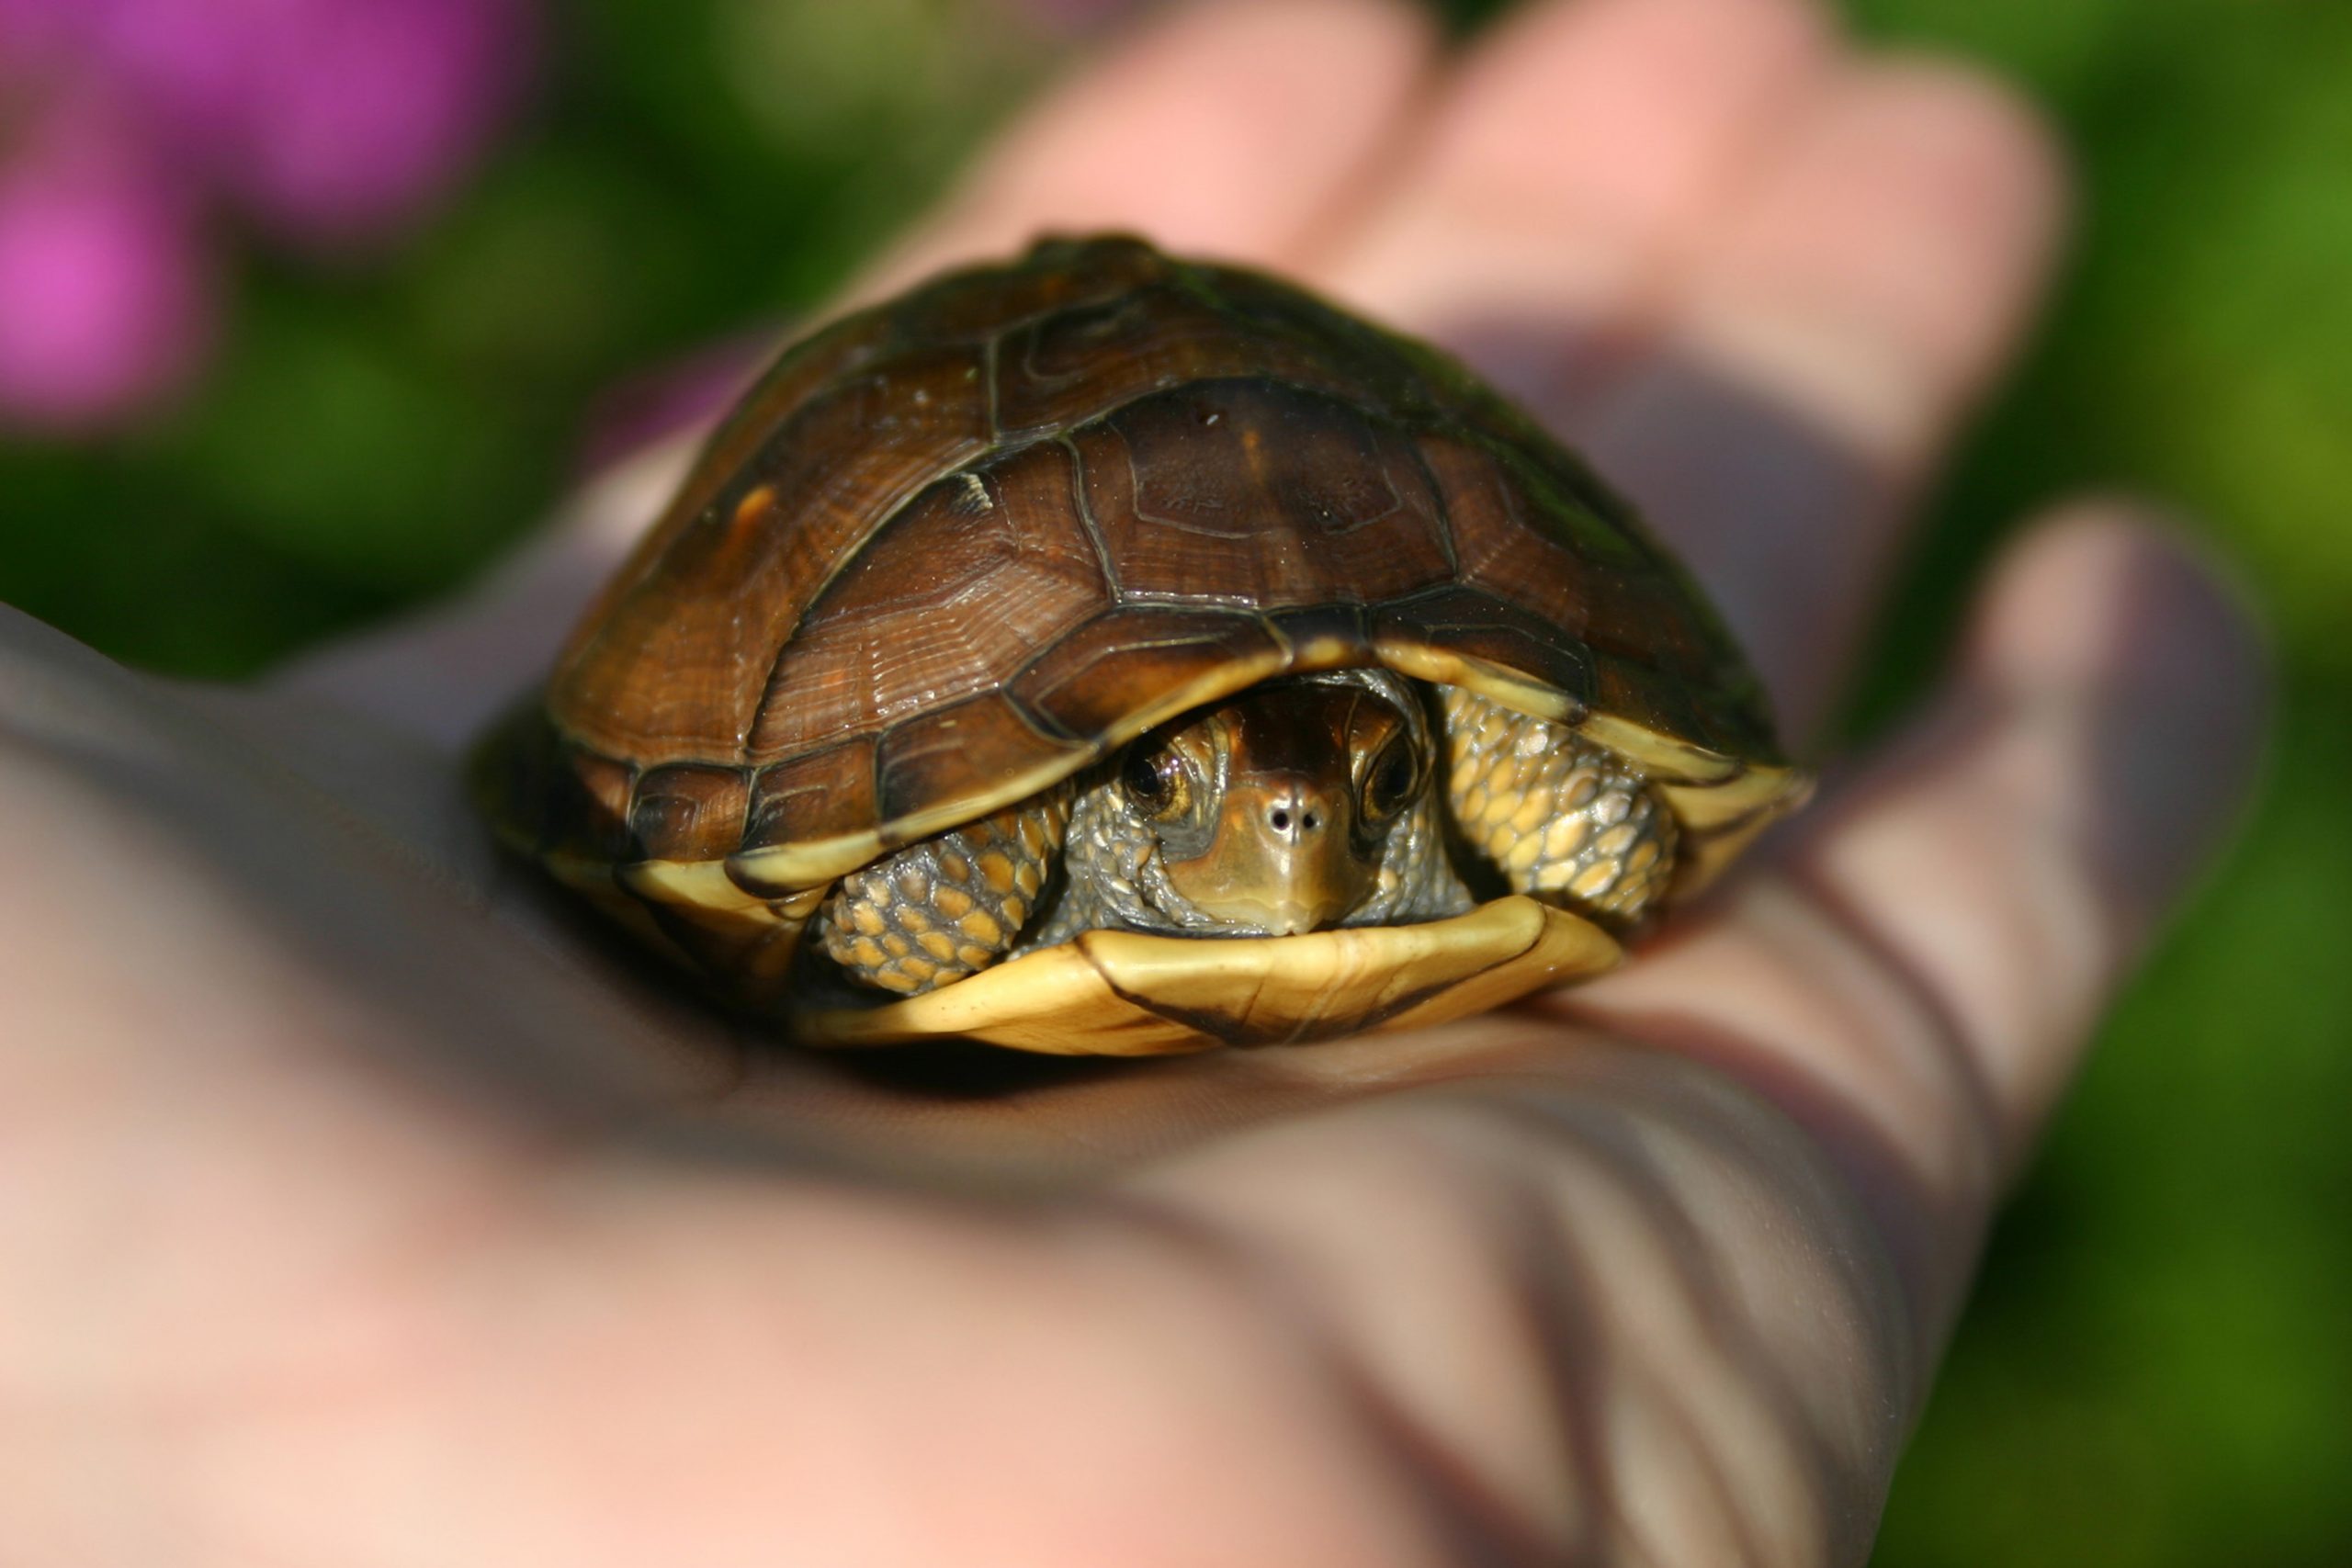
2157, 1370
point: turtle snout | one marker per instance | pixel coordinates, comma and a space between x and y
1295, 815
1279, 859
1307, 879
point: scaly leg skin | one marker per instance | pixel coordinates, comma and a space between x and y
1566, 821
937, 910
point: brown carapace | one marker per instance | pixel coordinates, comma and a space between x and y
1106, 652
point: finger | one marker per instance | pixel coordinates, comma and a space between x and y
1227, 128
248, 1037
1919, 972
1608, 1309
1823, 348
1568, 168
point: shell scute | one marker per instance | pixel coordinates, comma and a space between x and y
1323, 636
989, 530
1477, 624
1527, 539
983, 746
1372, 368
1633, 692
1085, 683
688, 811
1505, 551
951, 591
1252, 493
1067, 368
812, 367
678, 664
821, 795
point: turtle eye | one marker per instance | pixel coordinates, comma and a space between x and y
1154, 779
1389, 782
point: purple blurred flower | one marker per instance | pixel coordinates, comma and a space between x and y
330, 122
105, 284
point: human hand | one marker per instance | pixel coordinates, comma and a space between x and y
354, 1208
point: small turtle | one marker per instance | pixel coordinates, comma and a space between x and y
1111, 653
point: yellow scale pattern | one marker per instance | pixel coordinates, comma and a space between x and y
940, 910
1561, 818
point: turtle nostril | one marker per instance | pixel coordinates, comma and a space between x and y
1309, 821
1280, 817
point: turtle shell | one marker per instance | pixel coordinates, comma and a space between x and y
956, 547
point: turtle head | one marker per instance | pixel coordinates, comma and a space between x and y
1272, 809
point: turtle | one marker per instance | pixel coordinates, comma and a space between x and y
1102, 651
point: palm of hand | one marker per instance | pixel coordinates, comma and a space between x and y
353, 1210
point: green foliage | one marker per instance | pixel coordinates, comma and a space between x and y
2158, 1372
2157, 1369
373, 434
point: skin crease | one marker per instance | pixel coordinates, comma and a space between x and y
358, 1208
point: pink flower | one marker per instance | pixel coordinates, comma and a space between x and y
105, 288
331, 120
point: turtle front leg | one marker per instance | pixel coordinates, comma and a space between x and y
937, 910
1562, 820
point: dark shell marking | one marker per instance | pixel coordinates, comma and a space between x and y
968, 541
